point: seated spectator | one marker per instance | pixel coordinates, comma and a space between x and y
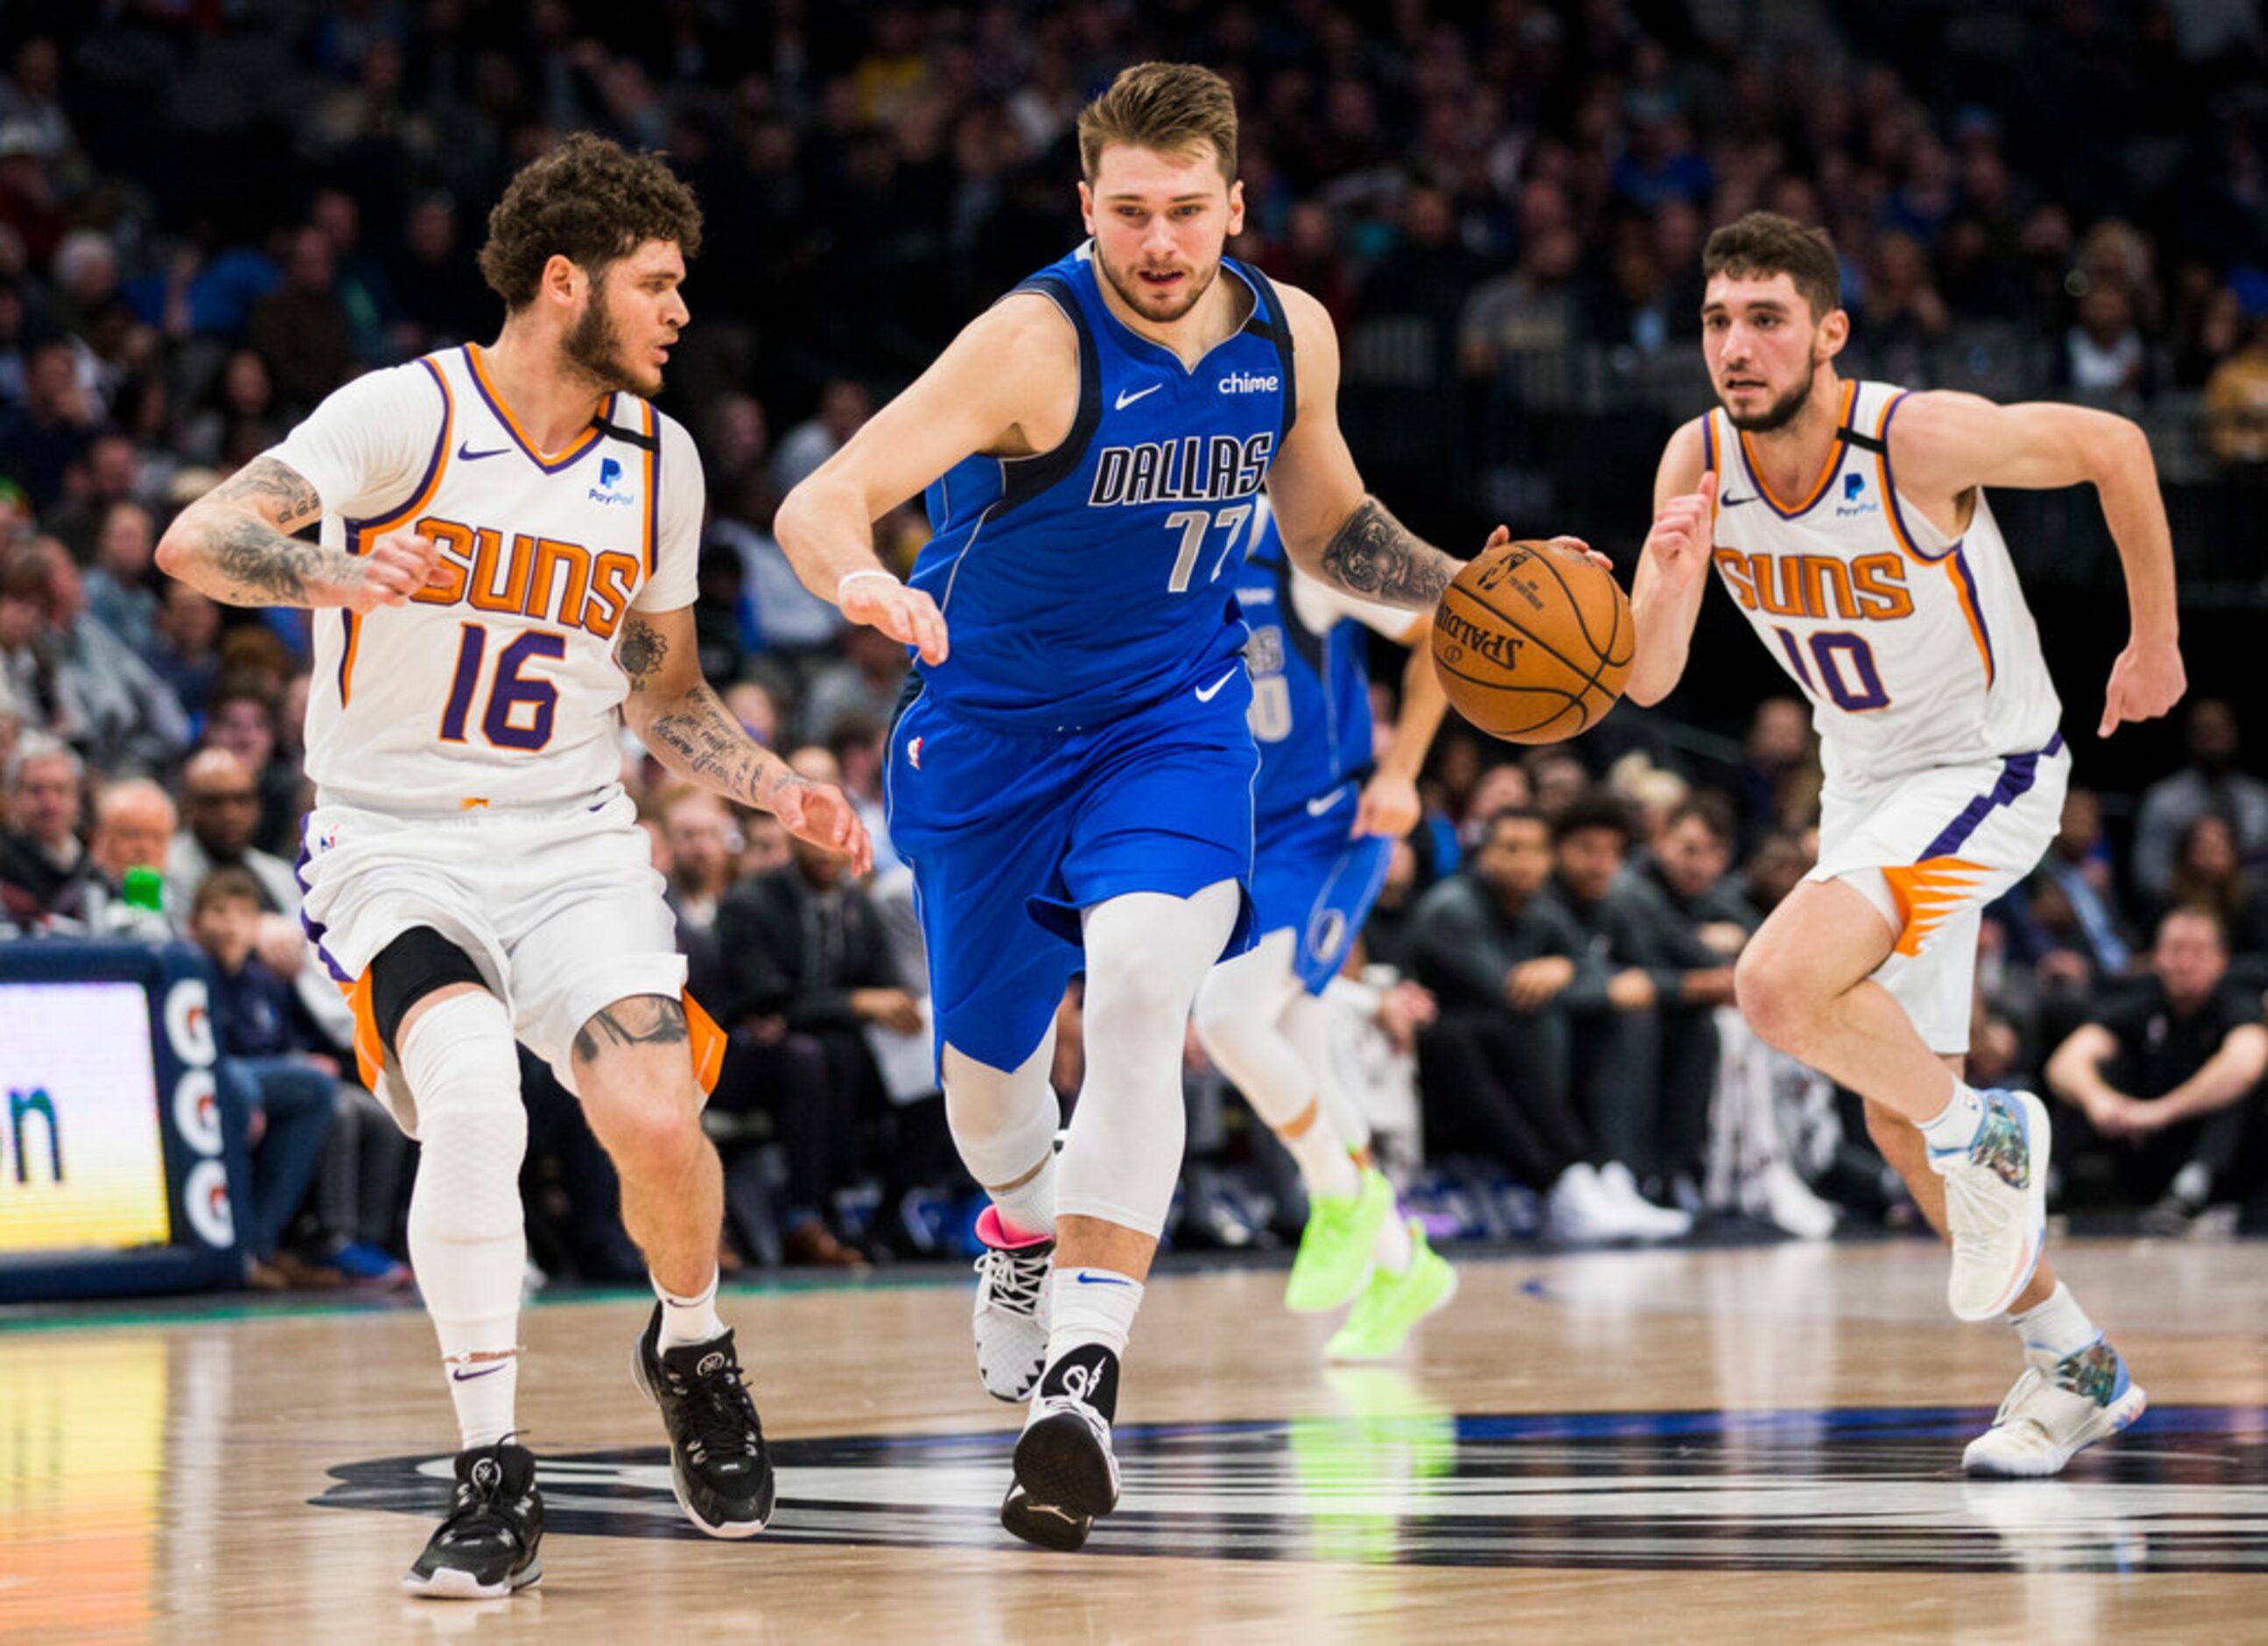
865, 683
118, 592
2236, 400
2211, 782
222, 808
1613, 1016
2166, 1079
241, 718
116, 710
183, 651
40, 856
286, 1095
700, 842
2207, 874
132, 828
804, 966
1493, 1070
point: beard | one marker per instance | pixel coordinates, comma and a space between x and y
1778, 415
592, 351
1129, 286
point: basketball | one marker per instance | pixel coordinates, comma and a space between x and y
1533, 642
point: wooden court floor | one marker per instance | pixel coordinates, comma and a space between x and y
1753, 1443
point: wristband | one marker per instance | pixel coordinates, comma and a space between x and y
846, 580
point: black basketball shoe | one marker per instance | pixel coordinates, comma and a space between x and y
486, 1547
718, 1461
1065, 1474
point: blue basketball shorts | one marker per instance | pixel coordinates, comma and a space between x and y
1012, 834
1308, 875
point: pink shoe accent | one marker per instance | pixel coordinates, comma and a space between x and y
996, 1234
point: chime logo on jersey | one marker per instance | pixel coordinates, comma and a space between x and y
554, 582
1398, 1480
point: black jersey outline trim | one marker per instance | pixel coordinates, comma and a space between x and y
1024, 478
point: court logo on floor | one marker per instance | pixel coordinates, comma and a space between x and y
1389, 1481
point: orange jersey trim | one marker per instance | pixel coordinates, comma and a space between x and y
546, 460
364, 533
1950, 562
1819, 486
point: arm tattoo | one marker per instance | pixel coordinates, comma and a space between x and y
240, 538
697, 737
642, 653
642, 1019
1376, 556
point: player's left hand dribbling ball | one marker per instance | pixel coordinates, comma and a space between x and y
1533, 643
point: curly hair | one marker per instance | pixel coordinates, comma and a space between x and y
1763, 243
590, 201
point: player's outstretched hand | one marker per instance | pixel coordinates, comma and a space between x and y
819, 813
908, 615
2146, 682
1683, 534
1389, 808
397, 566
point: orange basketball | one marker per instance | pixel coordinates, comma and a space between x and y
1533, 643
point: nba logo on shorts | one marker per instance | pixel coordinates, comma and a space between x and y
913, 754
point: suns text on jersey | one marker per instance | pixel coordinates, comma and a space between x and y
1869, 589
542, 578
1196, 468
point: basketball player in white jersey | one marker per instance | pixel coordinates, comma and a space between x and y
509, 537
1850, 521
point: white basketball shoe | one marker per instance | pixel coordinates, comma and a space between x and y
1996, 1204
1010, 1315
2058, 1408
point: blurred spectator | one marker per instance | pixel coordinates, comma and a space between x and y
286, 1097
2105, 358
865, 683
2208, 874
31, 99
1778, 766
440, 291
700, 840
50, 429
843, 407
2236, 400
806, 965
111, 705
2210, 783
41, 854
239, 419
118, 592
1493, 1070
110, 473
132, 828
182, 649
300, 330
2167, 1079
241, 718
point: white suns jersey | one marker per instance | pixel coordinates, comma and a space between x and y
1915, 650
497, 685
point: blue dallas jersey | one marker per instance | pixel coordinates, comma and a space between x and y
1310, 687
1083, 584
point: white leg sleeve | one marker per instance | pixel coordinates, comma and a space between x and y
467, 1241
1240, 1015
1004, 1121
1147, 953
1307, 1021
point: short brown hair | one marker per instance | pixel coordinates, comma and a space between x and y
226, 884
1766, 243
590, 201
1167, 107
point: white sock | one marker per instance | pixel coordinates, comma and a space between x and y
1029, 1208
1392, 1250
689, 1319
483, 1384
1089, 1305
1325, 1166
1955, 1128
2059, 1326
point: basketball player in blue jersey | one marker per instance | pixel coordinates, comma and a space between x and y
1325, 825
1071, 775
1852, 523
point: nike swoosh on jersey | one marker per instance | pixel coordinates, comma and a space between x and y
1125, 400
1733, 503
466, 453
1317, 807
1206, 694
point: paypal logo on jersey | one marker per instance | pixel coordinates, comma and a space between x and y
1854, 488
610, 488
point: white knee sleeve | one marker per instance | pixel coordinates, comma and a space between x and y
1147, 953
467, 1241
1308, 1023
1240, 1020
1003, 1121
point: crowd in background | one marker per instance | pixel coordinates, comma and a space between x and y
212, 214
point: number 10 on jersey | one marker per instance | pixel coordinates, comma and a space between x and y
520, 707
